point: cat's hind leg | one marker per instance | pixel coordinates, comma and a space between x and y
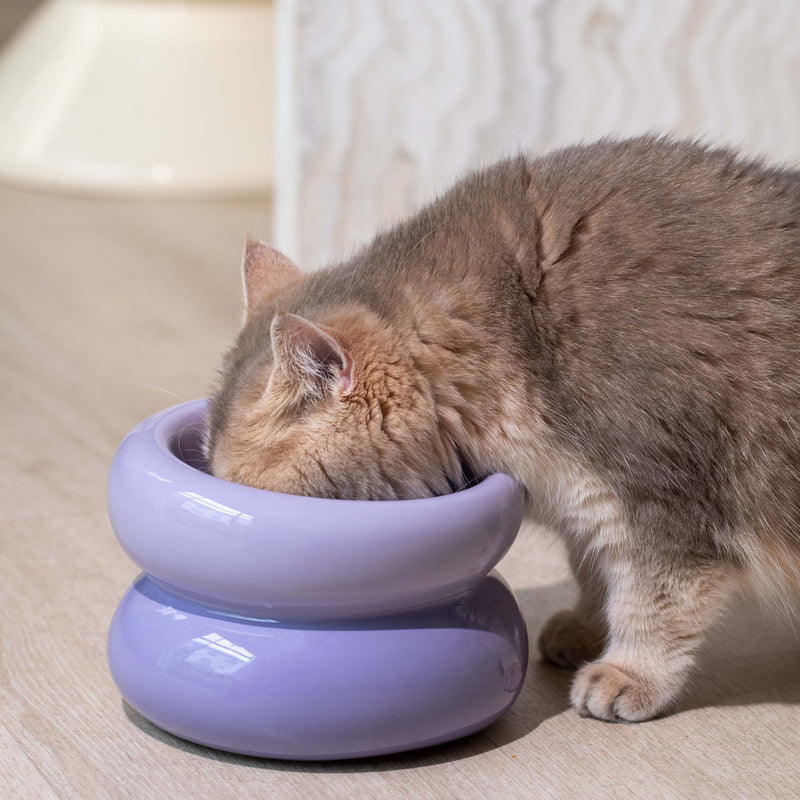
570, 638
657, 615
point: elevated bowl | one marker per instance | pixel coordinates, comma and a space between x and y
301, 628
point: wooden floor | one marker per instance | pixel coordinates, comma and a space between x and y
110, 311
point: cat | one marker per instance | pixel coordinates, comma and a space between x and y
617, 326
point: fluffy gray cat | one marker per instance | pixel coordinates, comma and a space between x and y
617, 326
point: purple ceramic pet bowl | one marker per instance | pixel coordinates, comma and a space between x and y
296, 627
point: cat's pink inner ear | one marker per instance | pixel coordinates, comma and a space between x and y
265, 271
346, 374
310, 353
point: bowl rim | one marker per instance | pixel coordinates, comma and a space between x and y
168, 422
244, 548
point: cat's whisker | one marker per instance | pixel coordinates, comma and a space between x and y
165, 390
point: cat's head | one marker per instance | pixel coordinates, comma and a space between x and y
332, 406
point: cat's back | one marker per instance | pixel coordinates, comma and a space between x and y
648, 193
670, 308
654, 241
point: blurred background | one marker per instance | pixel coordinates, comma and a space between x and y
350, 113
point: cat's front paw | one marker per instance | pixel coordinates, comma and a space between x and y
608, 692
568, 641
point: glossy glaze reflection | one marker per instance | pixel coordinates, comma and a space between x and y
263, 552
319, 690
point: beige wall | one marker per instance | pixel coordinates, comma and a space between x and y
383, 102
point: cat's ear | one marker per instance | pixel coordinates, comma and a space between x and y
265, 271
309, 356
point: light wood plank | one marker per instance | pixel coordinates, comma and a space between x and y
20, 776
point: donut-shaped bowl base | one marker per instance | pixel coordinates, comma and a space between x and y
323, 689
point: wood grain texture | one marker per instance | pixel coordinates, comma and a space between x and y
109, 310
393, 99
